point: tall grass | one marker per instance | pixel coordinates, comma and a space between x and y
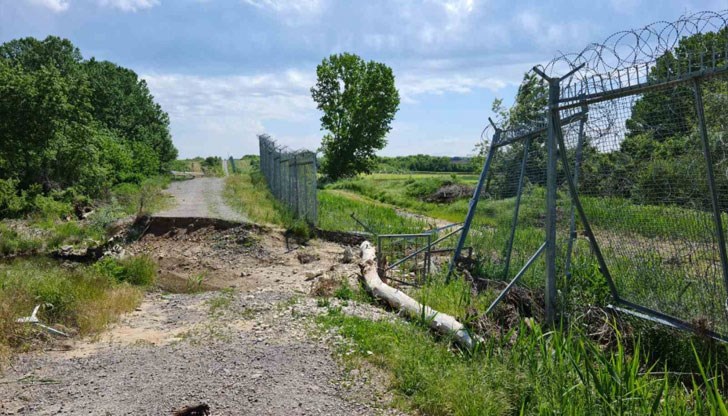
81, 298
248, 193
335, 209
527, 372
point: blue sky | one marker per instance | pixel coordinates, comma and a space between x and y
226, 70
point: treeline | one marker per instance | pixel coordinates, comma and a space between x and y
659, 160
425, 163
71, 127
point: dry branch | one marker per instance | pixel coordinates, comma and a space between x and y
440, 322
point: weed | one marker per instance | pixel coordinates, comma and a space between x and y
194, 282
137, 270
79, 298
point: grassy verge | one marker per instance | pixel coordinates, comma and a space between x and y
82, 299
248, 193
409, 191
336, 207
527, 371
55, 226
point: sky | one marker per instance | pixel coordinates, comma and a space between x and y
228, 70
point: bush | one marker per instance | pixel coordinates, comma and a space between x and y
138, 271
11, 203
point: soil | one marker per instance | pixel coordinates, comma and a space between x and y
231, 326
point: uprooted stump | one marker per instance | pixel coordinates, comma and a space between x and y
442, 323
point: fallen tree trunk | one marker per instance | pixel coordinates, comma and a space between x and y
440, 322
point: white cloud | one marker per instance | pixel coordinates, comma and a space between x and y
552, 34
56, 6
298, 6
129, 5
225, 113
291, 12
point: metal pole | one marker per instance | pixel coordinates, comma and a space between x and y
473, 205
711, 180
572, 226
551, 184
514, 224
520, 273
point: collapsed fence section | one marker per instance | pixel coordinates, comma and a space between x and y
618, 170
291, 177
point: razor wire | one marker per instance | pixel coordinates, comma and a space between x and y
619, 169
291, 177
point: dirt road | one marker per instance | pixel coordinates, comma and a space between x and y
231, 325
200, 198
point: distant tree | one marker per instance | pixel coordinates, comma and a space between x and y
359, 101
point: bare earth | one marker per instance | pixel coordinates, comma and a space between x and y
253, 348
200, 198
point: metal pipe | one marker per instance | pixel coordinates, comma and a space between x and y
409, 256
473, 205
514, 223
551, 190
515, 280
572, 225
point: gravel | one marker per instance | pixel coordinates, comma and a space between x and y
200, 198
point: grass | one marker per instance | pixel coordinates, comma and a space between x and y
408, 191
84, 299
650, 370
248, 193
526, 372
44, 232
336, 207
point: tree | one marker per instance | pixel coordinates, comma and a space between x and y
66, 122
359, 101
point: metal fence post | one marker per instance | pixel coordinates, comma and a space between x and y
720, 237
551, 190
514, 224
577, 165
473, 204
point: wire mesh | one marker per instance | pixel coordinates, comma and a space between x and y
291, 177
641, 185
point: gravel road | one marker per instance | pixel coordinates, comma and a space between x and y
200, 197
253, 348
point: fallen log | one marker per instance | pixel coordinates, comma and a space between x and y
442, 323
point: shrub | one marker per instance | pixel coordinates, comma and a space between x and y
138, 271
11, 203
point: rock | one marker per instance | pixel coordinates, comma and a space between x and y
348, 255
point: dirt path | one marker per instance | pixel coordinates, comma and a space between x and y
200, 197
250, 349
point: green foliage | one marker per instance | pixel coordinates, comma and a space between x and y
76, 297
138, 270
11, 203
66, 122
525, 371
358, 100
426, 163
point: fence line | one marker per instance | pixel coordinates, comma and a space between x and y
624, 150
291, 177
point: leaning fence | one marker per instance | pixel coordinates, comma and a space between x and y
291, 177
616, 170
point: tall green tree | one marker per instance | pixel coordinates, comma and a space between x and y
358, 100
66, 122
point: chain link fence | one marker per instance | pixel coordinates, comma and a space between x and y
613, 164
291, 177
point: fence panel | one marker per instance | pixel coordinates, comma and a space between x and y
291, 177
628, 138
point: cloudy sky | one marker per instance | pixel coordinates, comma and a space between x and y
226, 70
